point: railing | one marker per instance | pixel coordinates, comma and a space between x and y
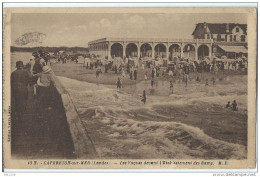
144, 40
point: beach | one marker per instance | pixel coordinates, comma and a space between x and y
190, 123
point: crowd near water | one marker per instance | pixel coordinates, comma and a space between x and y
38, 74
175, 69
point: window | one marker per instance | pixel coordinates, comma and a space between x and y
212, 36
230, 38
225, 37
218, 37
243, 38
237, 29
235, 38
208, 37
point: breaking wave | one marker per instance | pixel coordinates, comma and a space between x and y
176, 126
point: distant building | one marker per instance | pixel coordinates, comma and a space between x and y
167, 48
210, 40
227, 32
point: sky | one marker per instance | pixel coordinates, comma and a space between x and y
63, 29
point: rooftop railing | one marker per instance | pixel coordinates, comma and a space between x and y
150, 40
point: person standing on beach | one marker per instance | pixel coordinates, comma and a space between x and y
228, 104
135, 74
19, 91
153, 73
234, 106
145, 77
118, 84
144, 97
152, 82
106, 67
131, 75
171, 86
115, 69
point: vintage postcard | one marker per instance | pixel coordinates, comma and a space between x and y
129, 88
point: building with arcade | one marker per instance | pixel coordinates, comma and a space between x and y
208, 40
151, 47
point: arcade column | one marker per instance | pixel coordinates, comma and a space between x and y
138, 50
109, 50
182, 50
124, 50
153, 46
210, 51
167, 52
196, 52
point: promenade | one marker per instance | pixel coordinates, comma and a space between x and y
43, 137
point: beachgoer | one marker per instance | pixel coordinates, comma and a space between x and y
171, 86
106, 68
170, 73
228, 105
153, 72
198, 79
115, 69
144, 97
19, 91
234, 106
135, 74
131, 75
152, 82
37, 67
118, 84
143, 65
145, 77
46, 79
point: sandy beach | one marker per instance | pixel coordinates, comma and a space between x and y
190, 123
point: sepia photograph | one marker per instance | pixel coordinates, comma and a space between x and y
129, 87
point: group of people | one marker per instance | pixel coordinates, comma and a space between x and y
37, 74
182, 65
233, 106
180, 68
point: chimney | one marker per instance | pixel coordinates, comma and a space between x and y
227, 28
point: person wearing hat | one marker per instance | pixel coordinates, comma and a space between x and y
39, 62
19, 91
44, 82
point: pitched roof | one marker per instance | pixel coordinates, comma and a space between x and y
220, 28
